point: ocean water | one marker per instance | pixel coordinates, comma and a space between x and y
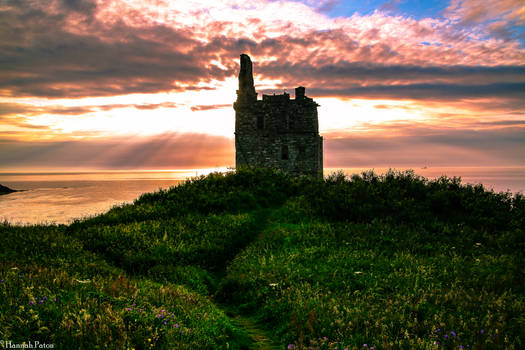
54, 197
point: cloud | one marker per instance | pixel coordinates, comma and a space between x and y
428, 91
424, 145
501, 19
42, 55
209, 107
76, 48
26, 109
166, 151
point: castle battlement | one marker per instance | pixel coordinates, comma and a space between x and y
276, 131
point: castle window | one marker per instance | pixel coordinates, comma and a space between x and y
284, 152
260, 122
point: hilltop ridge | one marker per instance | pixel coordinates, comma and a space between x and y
256, 258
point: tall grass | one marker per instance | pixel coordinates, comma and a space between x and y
368, 261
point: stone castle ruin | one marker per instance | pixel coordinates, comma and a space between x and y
277, 131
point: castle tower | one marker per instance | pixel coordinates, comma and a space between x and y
276, 131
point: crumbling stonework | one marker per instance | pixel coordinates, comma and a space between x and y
276, 131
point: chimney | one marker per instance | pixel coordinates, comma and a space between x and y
299, 93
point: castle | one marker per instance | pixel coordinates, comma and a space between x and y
276, 132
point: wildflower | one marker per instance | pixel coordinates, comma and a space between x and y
365, 345
140, 311
291, 346
45, 298
461, 346
1, 281
149, 339
31, 302
165, 322
55, 299
176, 325
482, 331
446, 336
41, 301
453, 334
439, 329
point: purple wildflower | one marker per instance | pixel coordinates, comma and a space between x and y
446, 336
365, 345
140, 311
41, 301
31, 302
165, 322
1, 281
176, 325
55, 299
291, 346
439, 329
482, 331
453, 334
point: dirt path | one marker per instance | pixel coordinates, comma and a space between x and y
261, 338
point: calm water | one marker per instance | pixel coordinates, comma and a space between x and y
63, 197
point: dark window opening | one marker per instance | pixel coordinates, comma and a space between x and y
260, 122
284, 152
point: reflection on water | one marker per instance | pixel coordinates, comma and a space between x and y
63, 197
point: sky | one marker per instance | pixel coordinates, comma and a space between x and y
134, 84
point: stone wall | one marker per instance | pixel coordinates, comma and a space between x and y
276, 131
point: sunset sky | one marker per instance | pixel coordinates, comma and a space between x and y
134, 84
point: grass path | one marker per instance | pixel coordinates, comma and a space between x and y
260, 338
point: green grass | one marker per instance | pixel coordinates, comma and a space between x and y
393, 261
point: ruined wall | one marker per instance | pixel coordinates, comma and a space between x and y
276, 131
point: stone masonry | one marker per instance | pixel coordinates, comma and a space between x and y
276, 131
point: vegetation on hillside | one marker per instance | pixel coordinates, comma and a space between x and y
368, 261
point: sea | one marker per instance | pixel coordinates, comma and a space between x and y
62, 197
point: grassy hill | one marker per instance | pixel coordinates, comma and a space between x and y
256, 259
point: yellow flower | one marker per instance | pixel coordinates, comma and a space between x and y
149, 339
